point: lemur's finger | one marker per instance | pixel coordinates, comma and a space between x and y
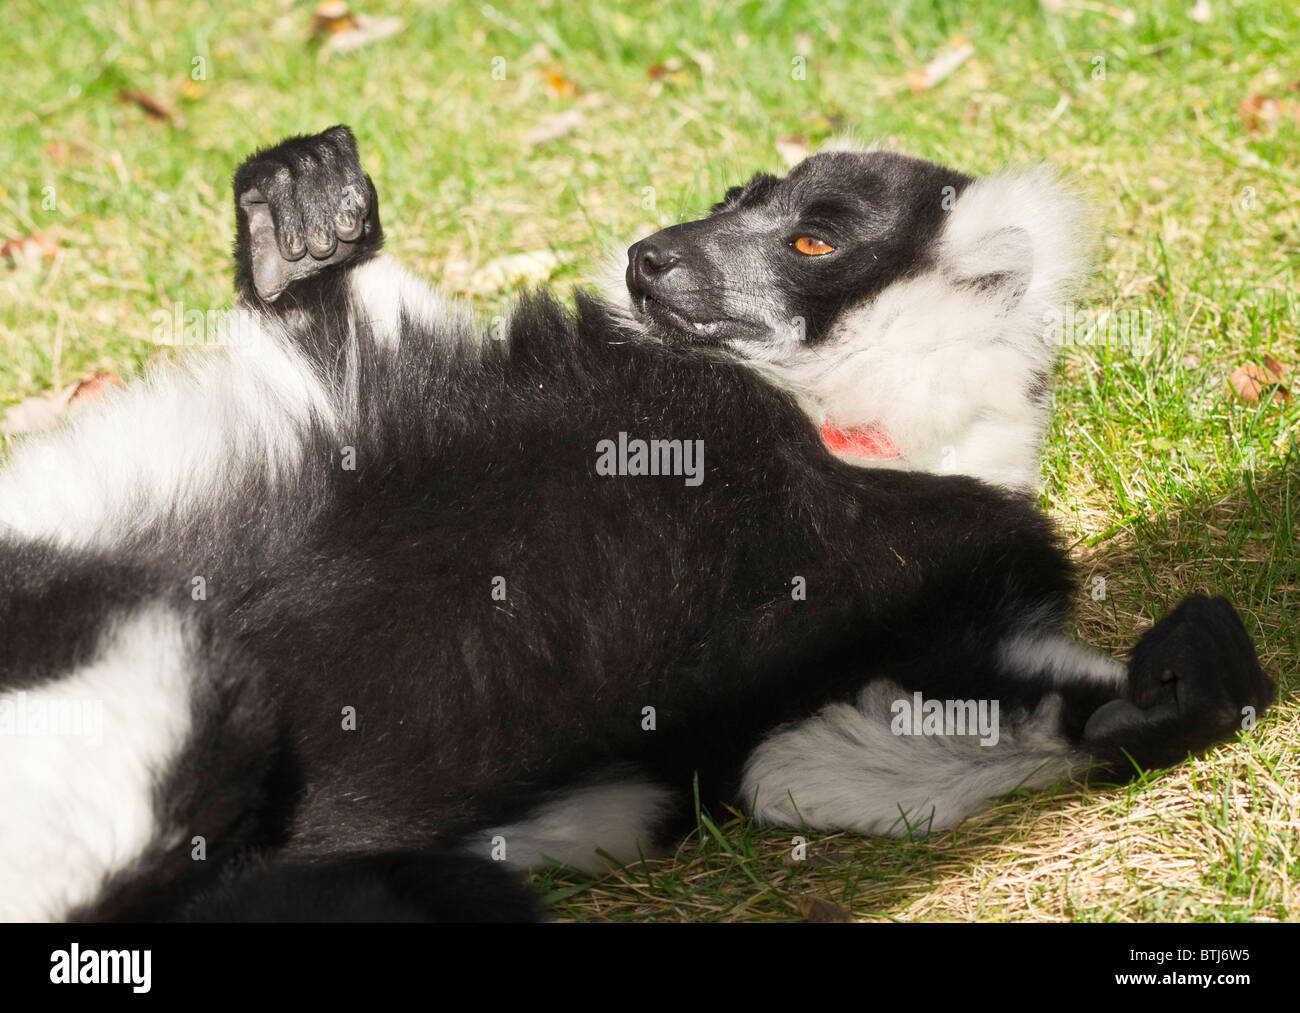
344, 143
353, 207
279, 190
318, 220
314, 197
347, 197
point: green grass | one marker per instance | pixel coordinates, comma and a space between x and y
1162, 481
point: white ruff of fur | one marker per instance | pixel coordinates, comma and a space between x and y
948, 370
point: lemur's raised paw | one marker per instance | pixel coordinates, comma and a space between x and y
1193, 680
302, 206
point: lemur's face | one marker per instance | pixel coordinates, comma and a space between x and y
779, 259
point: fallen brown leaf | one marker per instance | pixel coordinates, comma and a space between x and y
513, 270
560, 85
35, 413
96, 387
672, 70
556, 127
62, 152
331, 17
1259, 111
942, 66
152, 107
814, 909
1250, 381
29, 249
342, 30
793, 149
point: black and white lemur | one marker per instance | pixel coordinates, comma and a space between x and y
364, 602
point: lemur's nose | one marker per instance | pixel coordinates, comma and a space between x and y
649, 260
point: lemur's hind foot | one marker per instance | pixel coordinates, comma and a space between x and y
1193, 681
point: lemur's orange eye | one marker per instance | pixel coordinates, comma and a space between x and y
812, 246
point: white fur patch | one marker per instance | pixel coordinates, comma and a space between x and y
845, 769
385, 292
1060, 659
78, 803
617, 818
171, 443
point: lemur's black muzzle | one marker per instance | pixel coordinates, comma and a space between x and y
674, 279
651, 261
670, 266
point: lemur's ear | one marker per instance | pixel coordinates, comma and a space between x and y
1024, 237
998, 264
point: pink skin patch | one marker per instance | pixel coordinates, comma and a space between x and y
865, 442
